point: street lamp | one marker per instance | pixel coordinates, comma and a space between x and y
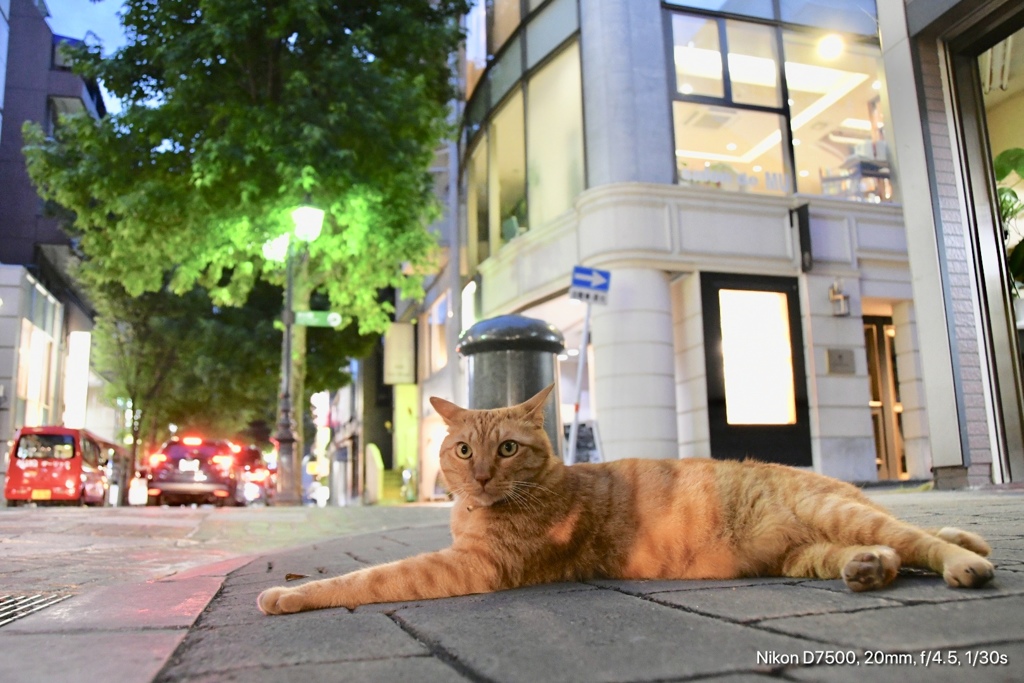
308, 222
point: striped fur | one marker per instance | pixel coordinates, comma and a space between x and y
521, 517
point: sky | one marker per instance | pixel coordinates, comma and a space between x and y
75, 18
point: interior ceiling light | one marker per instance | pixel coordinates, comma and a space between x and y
831, 46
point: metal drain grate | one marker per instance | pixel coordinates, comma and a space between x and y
17, 606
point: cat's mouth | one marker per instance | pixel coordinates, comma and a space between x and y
482, 499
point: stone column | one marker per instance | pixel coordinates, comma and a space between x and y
634, 371
625, 83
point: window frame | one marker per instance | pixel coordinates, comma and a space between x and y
668, 11
779, 29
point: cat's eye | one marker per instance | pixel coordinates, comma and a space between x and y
463, 450
508, 448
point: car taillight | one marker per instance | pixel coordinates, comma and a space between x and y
260, 475
157, 459
223, 461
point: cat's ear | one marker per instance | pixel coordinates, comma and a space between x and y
446, 409
533, 408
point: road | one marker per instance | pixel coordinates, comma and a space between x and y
76, 549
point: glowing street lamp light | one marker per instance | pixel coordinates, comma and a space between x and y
308, 221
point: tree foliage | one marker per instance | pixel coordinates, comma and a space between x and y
183, 360
236, 111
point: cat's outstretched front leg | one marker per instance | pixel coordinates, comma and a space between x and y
441, 574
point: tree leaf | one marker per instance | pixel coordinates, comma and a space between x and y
1009, 161
1015, 262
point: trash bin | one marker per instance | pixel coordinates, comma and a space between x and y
509, 359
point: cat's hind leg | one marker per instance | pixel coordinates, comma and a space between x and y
950, 552
861, 567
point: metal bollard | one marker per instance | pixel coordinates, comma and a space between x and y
509, 359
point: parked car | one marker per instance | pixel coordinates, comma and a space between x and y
194, 469
259, 481
60, 466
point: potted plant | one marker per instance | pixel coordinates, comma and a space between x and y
1009, 172
1009, 169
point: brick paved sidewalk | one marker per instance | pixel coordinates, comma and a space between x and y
745, 630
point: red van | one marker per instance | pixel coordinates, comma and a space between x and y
60, 466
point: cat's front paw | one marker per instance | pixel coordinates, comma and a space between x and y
968, 572
280, 600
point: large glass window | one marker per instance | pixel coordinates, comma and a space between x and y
729, 149
549, 29
750, 8
839, 141
697, 56
476, 45
753, 64
435, 344
504, 21
477, 219
733, 131
507, 70
851, 16
508, 168
554, 128
523, 125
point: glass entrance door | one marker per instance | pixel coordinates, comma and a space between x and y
886, 409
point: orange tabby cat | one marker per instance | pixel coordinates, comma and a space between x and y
522, 517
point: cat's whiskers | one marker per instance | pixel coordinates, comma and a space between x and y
539, 487
517, 498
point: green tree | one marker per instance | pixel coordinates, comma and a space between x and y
182, 360
138, 348
236, 111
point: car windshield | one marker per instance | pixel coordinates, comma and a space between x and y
177, 451
55, 446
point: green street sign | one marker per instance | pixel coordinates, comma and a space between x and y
318, 318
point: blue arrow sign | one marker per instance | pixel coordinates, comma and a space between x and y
591, 278
590, 285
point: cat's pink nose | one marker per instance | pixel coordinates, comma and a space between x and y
483, 479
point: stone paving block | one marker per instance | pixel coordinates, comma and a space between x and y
594, 636
317, 637
900, 671
394, 670
494, 599
657, 586
960, 624
96, 656
221, 569
932, 588
153, 604
742, 678
748, 604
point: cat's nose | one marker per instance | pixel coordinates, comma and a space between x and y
483, 479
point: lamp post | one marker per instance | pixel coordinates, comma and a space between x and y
308, 222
